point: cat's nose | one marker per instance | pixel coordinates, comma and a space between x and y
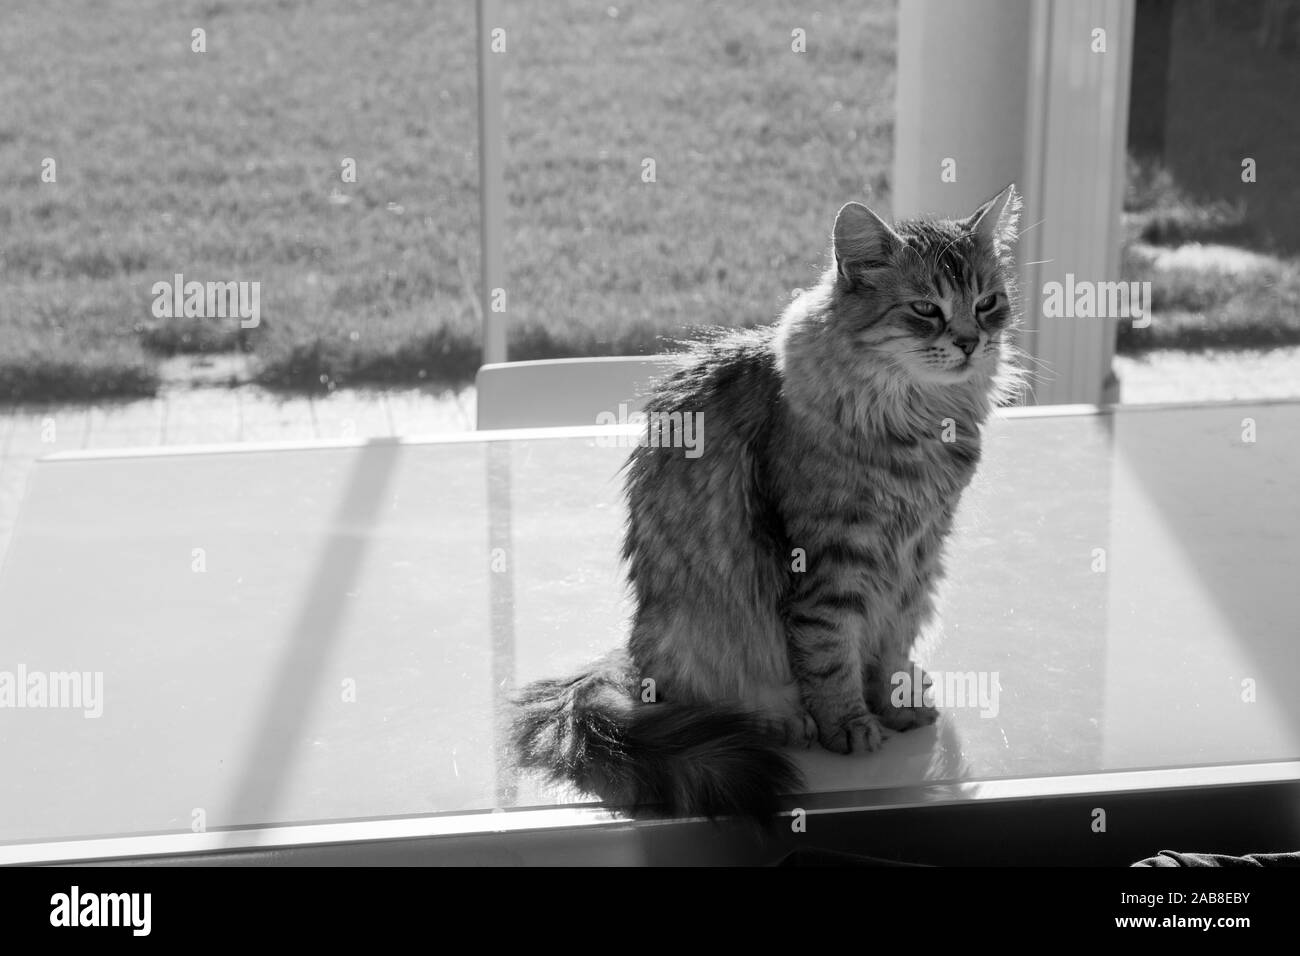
966, 343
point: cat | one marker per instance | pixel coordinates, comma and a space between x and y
782, 577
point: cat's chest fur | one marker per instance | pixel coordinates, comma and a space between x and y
911, 473
877, 500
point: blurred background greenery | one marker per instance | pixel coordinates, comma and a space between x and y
226, 165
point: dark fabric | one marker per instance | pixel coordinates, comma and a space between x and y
1173, 858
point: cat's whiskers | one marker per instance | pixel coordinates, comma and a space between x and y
1022, 359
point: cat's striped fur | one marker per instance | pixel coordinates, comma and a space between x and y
783, 577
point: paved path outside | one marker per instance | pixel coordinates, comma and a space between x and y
1172, 376
201, 416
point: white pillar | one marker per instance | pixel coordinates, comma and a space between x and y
961, 95
1016, 90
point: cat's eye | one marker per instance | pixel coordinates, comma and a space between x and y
986, 303
927, 309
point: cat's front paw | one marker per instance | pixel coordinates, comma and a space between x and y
859, 733
906, 718
895, 695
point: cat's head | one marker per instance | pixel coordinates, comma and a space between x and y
929, 299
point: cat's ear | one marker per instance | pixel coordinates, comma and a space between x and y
996, 220
862, 238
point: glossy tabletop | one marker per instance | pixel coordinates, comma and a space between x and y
327, 632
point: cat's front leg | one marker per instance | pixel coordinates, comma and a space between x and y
824, 653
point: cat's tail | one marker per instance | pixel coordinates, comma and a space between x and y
593, 731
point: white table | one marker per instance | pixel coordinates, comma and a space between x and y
366, 566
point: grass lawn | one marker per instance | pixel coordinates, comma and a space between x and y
225, 166
1210, 288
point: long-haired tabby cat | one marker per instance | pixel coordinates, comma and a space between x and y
782, 577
